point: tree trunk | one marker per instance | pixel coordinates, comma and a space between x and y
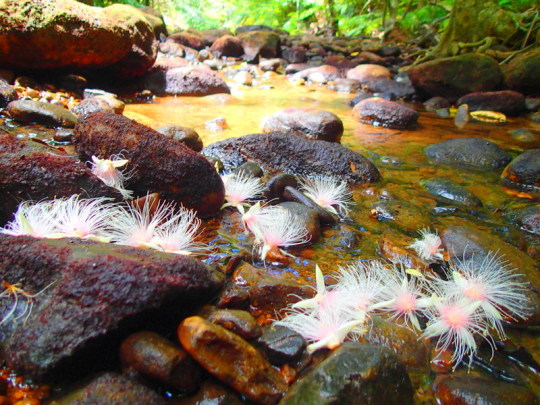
330, 13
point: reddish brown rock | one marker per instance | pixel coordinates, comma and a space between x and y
102, 103
7, 93
455, 76
153, 356
307, 122
30, 170
90, 293
260, 44
506, 101
231, 359
237, 321
159, 164
30, 111
187, 38
369, 72
294, 54
227, 45
390, 114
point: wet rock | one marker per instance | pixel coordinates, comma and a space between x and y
391, 50
211, 35
93, 289
368, 72
462, 116
413, 352
296, 155
468, 389
7, 94
467, 242
159, 164
291, 193
153, 356
232, 360
528, 219
307, 216
269, 292
340, 61
436, 103
298, 67
237, 321
216, 125
103, 103
250, 168
390, 89
468, 153
112, 389
188, 39
63, 136
33, 171
447, 191
355, 373
523, 172
401, 214
281, 345
455, 76
522, 73
390, 114
345, 86
505, 101
271, 65
185, 81
259, 44
227, 45
185, 135
523, 135
307, 122
359, 97
319, 74
171, 49
294, 54
244, 78
532, 103
212, 392
30, 111
144, 47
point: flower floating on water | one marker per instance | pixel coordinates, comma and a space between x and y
429, 246
108, 171
280, 228
330, 193
32, 219
240, 187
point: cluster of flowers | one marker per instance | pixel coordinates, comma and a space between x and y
468, 305
273, 226
164, 228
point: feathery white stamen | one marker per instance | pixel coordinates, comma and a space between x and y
178, 234
429, 246
330, 193
107, 170
240, 187
33, 219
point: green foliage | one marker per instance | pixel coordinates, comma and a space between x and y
518, 5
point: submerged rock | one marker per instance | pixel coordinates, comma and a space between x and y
158, 164
389, 114
296, 155
30, 111
307, 122
30, 170
231, 359
528, 218
449, 192
524, 172
101, 103
355, 373
86, 290
469, 153
456, 76
505, 101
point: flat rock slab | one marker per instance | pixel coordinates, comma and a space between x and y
30, 111
30, 170
355, 373
95, 287
278, 152
231, 359
469, 153
158, 164
505, 101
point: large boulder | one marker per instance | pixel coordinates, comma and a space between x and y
52, 34
30, 170
159, 164
188, 39
456, 76
227, 45
260, 44
523, 72
276, 152
87, 291
506, 101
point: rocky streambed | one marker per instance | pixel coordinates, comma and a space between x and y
450, 147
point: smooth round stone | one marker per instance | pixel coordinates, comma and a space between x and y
237, 321
524, 171
282, 345
505, 101
449, 192
389, 114
187, 136
29, 111
368, 72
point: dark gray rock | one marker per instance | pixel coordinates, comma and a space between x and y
91, 293
307, 216
237, 321
389, 114
524, 171
187, 136
185, 81
436, 103
282, 345
7, 93
294, 54
296, 155
449, 192
260, 44
355, 373
390, 89
29, 111
528, 219
469, 153
307, 122
505, 101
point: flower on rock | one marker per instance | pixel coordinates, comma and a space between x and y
177, 235
240, 187
33, 219
428, 246
107, 170
330, 193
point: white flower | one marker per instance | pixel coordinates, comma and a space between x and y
429, 246
177, 234
33, 219
330, 193
240, 187
107, 170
